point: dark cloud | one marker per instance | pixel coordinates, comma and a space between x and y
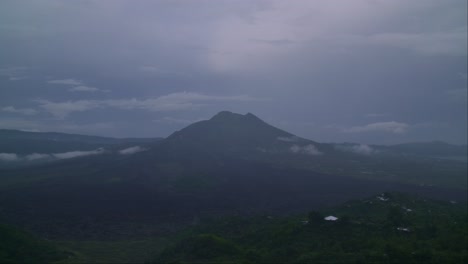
320, 69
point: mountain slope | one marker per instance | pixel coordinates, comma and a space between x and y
230, 132
19, 148
249, 138
23, 142
230, 163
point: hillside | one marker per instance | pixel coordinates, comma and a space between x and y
17, 246
247, 137
22, 148
388, 228
230, 163
434, 149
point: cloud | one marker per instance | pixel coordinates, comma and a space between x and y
23, 111
170, 102
372, 115
63, 109
151, 69
58, 125
316, 27
37, 156
83, 88
362, 149
14, 73
458, 95
392, 127
131, 150
20, 123
308, 150
79, 86
43, 156
161, 71
433, 43
66, 82
74, 154
8, 157
274, 42
30, 130
288, 139
168, 119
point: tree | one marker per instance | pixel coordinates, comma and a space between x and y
315, 217
395, 216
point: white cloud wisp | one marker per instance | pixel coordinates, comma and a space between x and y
390, 127
165, 103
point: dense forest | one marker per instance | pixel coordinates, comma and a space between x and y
390, 228
17, 246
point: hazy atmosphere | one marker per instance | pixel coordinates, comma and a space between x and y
233, 131
367, 71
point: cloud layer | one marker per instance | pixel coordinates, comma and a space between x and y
8, 157
307, 149
324, 65
131, 150
165, 103
389, 127
362, 149
23, 111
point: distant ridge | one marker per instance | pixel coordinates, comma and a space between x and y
435, 148
24, 142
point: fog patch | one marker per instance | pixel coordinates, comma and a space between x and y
308, 150
288, 139
74, 154
131, 150
37, 156
8, 157
362, 149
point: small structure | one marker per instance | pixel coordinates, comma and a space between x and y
383, 198
407, 209
404, 229
331, 218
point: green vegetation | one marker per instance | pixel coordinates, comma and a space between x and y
119, 251
391, 228
17, 246
388, 228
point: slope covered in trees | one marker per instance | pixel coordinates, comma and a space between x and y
17, 246
390, 228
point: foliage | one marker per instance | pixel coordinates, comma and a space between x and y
394, 228
17, 246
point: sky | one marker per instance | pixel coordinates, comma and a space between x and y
366, 71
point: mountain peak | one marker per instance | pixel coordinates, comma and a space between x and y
225, 115
227, 130
230, 116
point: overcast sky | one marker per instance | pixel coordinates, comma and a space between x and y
368, 71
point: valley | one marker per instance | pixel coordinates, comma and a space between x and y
138, 194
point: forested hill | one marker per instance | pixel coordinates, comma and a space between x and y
388, 228
17, 246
